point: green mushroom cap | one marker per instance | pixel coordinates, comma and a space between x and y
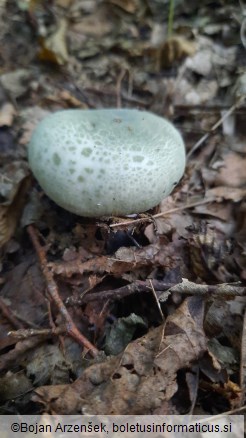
106, 162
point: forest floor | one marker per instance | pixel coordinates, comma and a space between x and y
140, 315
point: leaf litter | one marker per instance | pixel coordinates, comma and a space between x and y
124, 315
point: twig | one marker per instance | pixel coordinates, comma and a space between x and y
156, 299
27, 333
164, 213
223, 289
186, 287
54, 294
114, 294
216, 125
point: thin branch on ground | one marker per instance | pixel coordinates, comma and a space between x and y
54, 294
156, 300
219, 290
164, 213
186, 287
27, 333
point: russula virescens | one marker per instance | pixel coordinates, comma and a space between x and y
106, 162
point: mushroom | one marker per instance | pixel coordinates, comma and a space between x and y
106, 162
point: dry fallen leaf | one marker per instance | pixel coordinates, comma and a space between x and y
232, 172
14, 384
143, 378
228, 193
16, 83
125, 259
96, 24
31, 116
130, 6
65, 99
64, 3
209, 248
53, 47
7, 113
